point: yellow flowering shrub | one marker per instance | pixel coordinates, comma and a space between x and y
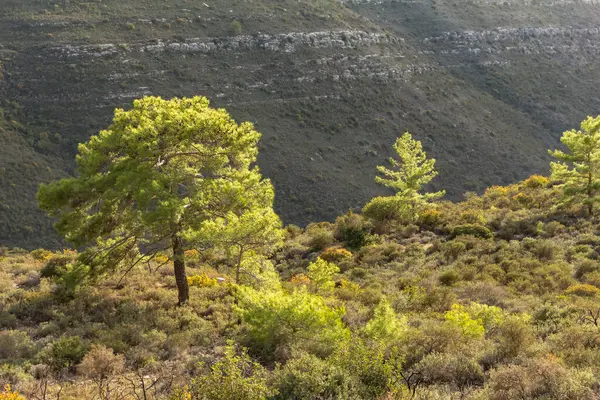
201, 280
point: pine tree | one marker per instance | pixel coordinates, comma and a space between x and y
409, 173
579, 167
152, 180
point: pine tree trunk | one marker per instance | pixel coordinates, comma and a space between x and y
179, 266
239, 265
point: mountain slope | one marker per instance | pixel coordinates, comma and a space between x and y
487, 86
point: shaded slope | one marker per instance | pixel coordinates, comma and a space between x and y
329, 85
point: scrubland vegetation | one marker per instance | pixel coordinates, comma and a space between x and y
493, 297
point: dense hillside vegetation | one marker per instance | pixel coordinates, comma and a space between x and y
189, 288
495, 297
329, 84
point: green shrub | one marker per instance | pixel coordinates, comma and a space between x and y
234, 377
57, 265
319, 237
448, 277
382, 209
235, 27
277, 322
457, 370
476, 230
65, 352
430, 218
351, 229
15, 345
307, 377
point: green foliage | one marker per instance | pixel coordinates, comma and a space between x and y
57, 264
583, 290
382, 209
354, 371
352, 229
235, 27
579, 168
234, 377
307, 377
201, 280
472, 229
256, 231
15, 345
410, 173
386, 326
160, 173
278, 321
319, 236
454, 369
460, 318
448, 277
66, 352
321, 273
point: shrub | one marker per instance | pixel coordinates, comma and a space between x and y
472, 217
385, 325
15, 345
448, 277
553, 228
430, 218
235, 27
539, 379
319, 237
335, 254
536, 181
201, 280
277, 322
515, 336
585, 267
454, 369
351, 229
476, 230
300, 279
101, 365
452, 250
382, 209
358, 273
64, 353
321, 274
41, 254
306, 377
583, 290
8, 394
460, 318
57, 264
234, 377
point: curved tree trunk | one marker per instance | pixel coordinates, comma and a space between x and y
179, 266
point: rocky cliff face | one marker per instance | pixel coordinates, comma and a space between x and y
487, 86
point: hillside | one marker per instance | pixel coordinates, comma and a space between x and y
487, 87
493, 298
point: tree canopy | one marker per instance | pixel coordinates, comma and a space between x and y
408, 175
153, 180
579, 167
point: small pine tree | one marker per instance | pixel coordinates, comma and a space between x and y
579, 167
385, 324
321, 273
410, 172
